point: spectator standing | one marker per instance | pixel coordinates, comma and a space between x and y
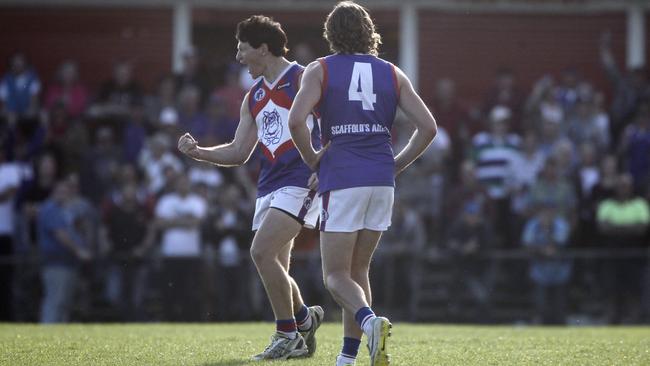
605, 188
624, 217
587, 125
9, 182
468, 237
623, 221
567, 92
62, 252
505, 92
128, 175
155, 159
453, 117
58, 123
544, 235
529, 162
210, 176
179, 216
587, 177
33, 193
496, 154
162, 105
634, 148
84, 214
229, 230
469, 190
553, 189
401, 244
101, 164
118, 93
67, 91
19, 89
542, 104
191, 117
630, 88
551, 134
128, 237
134, 133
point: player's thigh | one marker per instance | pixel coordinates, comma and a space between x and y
336, 252
275, 233
364, 248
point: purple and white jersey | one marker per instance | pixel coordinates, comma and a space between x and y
358, 103
269, 104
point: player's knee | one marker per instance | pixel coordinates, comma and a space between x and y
332, 279
258, 254
328, 281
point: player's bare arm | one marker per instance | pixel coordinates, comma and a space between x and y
418, 114
306, 100
234, 153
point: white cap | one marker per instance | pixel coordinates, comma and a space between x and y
168, 116
500, 113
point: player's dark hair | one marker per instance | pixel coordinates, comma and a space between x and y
349, 29
260, 29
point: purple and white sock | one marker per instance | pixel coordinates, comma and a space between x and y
363, 317
303, 320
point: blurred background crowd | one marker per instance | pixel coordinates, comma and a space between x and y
532, 204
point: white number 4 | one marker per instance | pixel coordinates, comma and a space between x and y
361, 86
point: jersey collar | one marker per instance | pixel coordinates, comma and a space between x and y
280, 76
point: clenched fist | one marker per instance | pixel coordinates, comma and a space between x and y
188, 146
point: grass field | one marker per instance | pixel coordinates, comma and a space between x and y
232, 344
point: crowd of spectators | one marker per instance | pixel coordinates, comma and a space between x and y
102, 219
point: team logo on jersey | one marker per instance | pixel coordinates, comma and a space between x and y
306, 203
271, 127
259, 94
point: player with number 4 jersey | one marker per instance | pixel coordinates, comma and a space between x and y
356, 95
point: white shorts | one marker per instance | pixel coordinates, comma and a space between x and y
300, 203
353, 209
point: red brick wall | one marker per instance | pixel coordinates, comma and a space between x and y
300, 26
94, 36
465, 47
470, 47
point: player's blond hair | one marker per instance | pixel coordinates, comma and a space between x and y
349, 29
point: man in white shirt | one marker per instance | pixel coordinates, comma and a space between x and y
179, 215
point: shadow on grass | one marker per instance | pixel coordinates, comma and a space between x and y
238, 362
234, 362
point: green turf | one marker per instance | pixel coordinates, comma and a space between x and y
232, 344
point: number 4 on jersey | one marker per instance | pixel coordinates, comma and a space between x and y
361, 86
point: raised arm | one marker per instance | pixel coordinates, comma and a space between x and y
303, 104
234, 153
418, 114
